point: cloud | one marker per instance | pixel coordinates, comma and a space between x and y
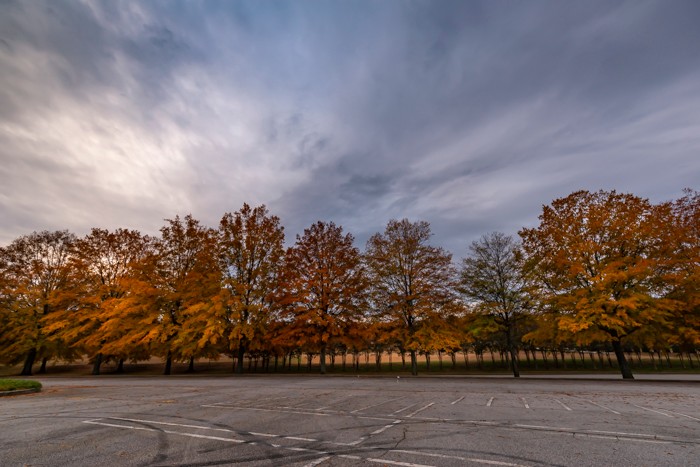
468, 115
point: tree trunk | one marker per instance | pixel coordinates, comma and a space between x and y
403, 360
378, 360
42, 368
622, 361
96, 364
120, 366
168, 363
466, 359
427, 360
239, 360
322, 357
590, 355
513, 355
190, 368
414, 363
29, 362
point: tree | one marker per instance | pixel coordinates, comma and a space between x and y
681, 274
492, 277
33, 274
171, 286
324, 284
410, 279
100, 265
595, 256
251, 249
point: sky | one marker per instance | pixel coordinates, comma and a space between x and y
468, 115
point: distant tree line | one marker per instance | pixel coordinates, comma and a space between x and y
602, 270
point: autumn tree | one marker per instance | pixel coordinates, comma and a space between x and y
492, 279
324, 284
681, 274
410, 279
595, 256
33, 275
250, 253
170, 286
100, 266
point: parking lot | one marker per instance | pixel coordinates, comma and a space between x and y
306, 421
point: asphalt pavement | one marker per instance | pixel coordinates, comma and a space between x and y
338, 421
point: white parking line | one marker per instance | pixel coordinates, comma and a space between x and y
317, 461
265, 410
562, 404
387, 461
377, 405
488, 404
386, 427
143, 428
617, 438
419, 410
454, 402
682, 415
525, 402
297, 438
446, 456
199, 427
365, 417
652, 410
405, 408
603, 407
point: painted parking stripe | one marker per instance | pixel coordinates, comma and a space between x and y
419, 410
488, 404
405, 408
454, 402
199, 427
682, 415
563, 404
385, 427
143, 428
387, 461
317, 461
652, 410
447, 456
377, 405
603, 407
318, 414
525, 402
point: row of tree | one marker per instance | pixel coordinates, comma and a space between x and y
600, 269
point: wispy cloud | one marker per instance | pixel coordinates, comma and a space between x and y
470, 116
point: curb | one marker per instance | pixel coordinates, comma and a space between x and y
19, 392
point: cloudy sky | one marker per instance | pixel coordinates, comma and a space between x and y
470, 115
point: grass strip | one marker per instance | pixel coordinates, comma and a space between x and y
18, 384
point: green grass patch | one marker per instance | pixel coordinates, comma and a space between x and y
17, 384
